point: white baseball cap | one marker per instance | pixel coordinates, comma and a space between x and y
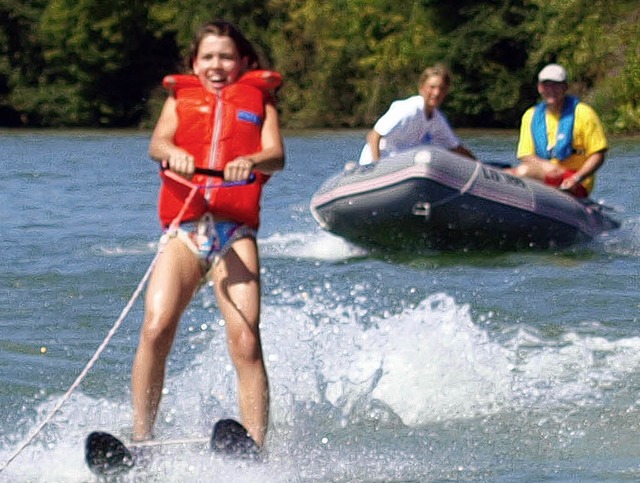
553, 73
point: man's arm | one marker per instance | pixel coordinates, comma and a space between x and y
373, 140
590, 166
460, 149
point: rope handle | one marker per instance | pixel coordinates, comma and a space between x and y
214, 173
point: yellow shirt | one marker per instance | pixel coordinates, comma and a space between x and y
588, 138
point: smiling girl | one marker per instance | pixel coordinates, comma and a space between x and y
221, 117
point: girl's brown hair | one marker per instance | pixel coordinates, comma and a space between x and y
224, 29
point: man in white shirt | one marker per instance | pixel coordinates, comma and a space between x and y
415, 121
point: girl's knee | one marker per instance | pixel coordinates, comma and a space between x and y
157, 334
245, 347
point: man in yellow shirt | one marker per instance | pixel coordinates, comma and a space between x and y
562, 141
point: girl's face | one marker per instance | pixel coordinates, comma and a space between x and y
433, 90
218, 62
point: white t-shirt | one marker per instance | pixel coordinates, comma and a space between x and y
405, 126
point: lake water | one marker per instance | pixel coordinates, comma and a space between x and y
521, 366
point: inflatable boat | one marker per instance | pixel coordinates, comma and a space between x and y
430, 198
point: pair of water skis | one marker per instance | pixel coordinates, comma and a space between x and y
106, 455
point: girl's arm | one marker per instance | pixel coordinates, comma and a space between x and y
269, 159
162, 147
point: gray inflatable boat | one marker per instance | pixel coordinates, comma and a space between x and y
430, 198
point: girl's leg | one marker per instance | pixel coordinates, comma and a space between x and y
173, 282
237, 285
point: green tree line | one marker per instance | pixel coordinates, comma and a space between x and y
100, 63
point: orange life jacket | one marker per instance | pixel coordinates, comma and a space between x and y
216, 129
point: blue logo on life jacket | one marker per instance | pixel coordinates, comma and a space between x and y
564, 137
251, 117
427, 138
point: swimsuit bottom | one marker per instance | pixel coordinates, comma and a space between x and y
210, 240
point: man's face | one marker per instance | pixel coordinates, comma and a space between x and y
433, 90
552, 93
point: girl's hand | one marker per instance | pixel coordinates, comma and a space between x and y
182, 163
239, 169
